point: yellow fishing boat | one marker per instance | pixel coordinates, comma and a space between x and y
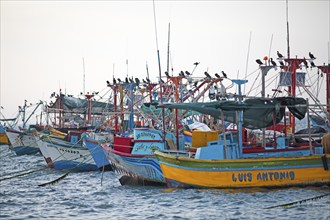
185, 172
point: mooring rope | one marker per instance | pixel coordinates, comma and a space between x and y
65, 175
285, 205
21, 174
86, 160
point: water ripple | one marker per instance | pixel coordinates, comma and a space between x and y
89, 196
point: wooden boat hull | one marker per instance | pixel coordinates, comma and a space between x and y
23, 144
273, 172
97, 153
141, 166
67, 156
4, 139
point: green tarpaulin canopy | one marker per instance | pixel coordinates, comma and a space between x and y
76, 105
257, 112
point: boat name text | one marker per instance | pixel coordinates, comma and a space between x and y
263, 176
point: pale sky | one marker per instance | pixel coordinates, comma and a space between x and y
43, 43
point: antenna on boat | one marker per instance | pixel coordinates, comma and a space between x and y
83, 75
287, 27
270, 46
127, 68
247, 58
168, 48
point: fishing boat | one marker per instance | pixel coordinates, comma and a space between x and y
24, 142
182, 172
132, 157
68, 154
131, 153
3, 137
95, 149
221, 164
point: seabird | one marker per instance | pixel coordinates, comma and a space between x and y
207, 75
281, 63
313, 64
273, 62
126, 80
311, 56
224, 74
137, 80
259, 61
217, 75
119, 80
305, 63
181, 73
187, 73
148, 80
114, 81
196, 63
166, 73
108, 83
279, 54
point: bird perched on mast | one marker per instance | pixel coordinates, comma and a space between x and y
187, 73
207, 75
259, 61
305, 62
280, 56
312, 64
181, 74
273, 62
224, 74
311, 56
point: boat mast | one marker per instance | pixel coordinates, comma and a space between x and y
160, 76
22, 110
287, 27
89, 108
168, 48
326, 70
115, 88
176, 83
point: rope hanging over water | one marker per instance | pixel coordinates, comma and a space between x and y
286, 205
21, 174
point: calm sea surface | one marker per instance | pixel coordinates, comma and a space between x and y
92, 195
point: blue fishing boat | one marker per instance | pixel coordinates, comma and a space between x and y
97, 152
133, 156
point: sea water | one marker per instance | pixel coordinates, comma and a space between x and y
97, 195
